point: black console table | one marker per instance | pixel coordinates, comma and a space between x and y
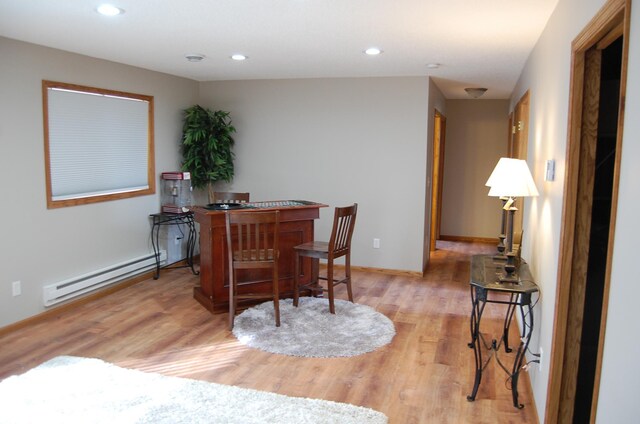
163, 219
485, 283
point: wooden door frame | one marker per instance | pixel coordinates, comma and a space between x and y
611, 21
519, 137
437, 174
510, 136
518, 147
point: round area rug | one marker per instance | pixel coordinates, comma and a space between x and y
310, 330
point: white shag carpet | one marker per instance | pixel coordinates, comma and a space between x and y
73, 390
311, 331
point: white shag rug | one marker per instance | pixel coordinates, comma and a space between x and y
310, 330
74, 390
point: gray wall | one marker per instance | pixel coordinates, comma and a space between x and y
334, 141
41, 246
546, 75
477, 135
337, 141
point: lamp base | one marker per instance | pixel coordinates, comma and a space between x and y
509, 278
509, 275
501, 247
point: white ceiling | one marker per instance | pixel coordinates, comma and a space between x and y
479, 43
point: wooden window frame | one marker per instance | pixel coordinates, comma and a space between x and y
101, 197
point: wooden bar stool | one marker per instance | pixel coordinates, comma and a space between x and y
339, 245
252, 243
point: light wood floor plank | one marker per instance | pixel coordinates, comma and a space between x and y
423, 376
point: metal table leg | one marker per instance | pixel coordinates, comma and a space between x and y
478, 298
155, 235
191, 243
511, 308
527, 330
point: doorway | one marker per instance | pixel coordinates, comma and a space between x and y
588, 227
437, 173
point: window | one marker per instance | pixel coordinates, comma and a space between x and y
98, 144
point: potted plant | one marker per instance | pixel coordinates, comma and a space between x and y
206, 147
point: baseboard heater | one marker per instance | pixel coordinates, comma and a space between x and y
73, 287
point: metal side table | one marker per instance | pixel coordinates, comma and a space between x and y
163, 219
484, 284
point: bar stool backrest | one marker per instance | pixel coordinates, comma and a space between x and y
344, 221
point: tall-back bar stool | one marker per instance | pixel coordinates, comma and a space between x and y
339, 245
252, 243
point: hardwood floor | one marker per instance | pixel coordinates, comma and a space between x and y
422, 376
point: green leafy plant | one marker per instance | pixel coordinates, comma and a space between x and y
206, 147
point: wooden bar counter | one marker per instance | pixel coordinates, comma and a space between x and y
296, 227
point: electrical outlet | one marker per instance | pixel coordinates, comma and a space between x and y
16, 288
376, 243
541, 359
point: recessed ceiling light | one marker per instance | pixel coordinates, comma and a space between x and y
109, 10
194, 57
433, 65
239, 57
373, 51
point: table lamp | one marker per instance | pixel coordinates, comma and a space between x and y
510, 178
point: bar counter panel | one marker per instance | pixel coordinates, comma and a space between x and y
296, 227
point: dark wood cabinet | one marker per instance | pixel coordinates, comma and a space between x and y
296, 227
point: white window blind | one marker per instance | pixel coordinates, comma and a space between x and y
98, 144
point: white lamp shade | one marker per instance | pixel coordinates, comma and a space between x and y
511, 178
503, 163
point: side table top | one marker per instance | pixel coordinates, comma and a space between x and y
485, 274
170, 215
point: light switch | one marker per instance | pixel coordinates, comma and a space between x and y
550, 171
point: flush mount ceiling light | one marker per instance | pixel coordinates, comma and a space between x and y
373, 51
109, 10
239, 57
194, 57
433, 65
475, 92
